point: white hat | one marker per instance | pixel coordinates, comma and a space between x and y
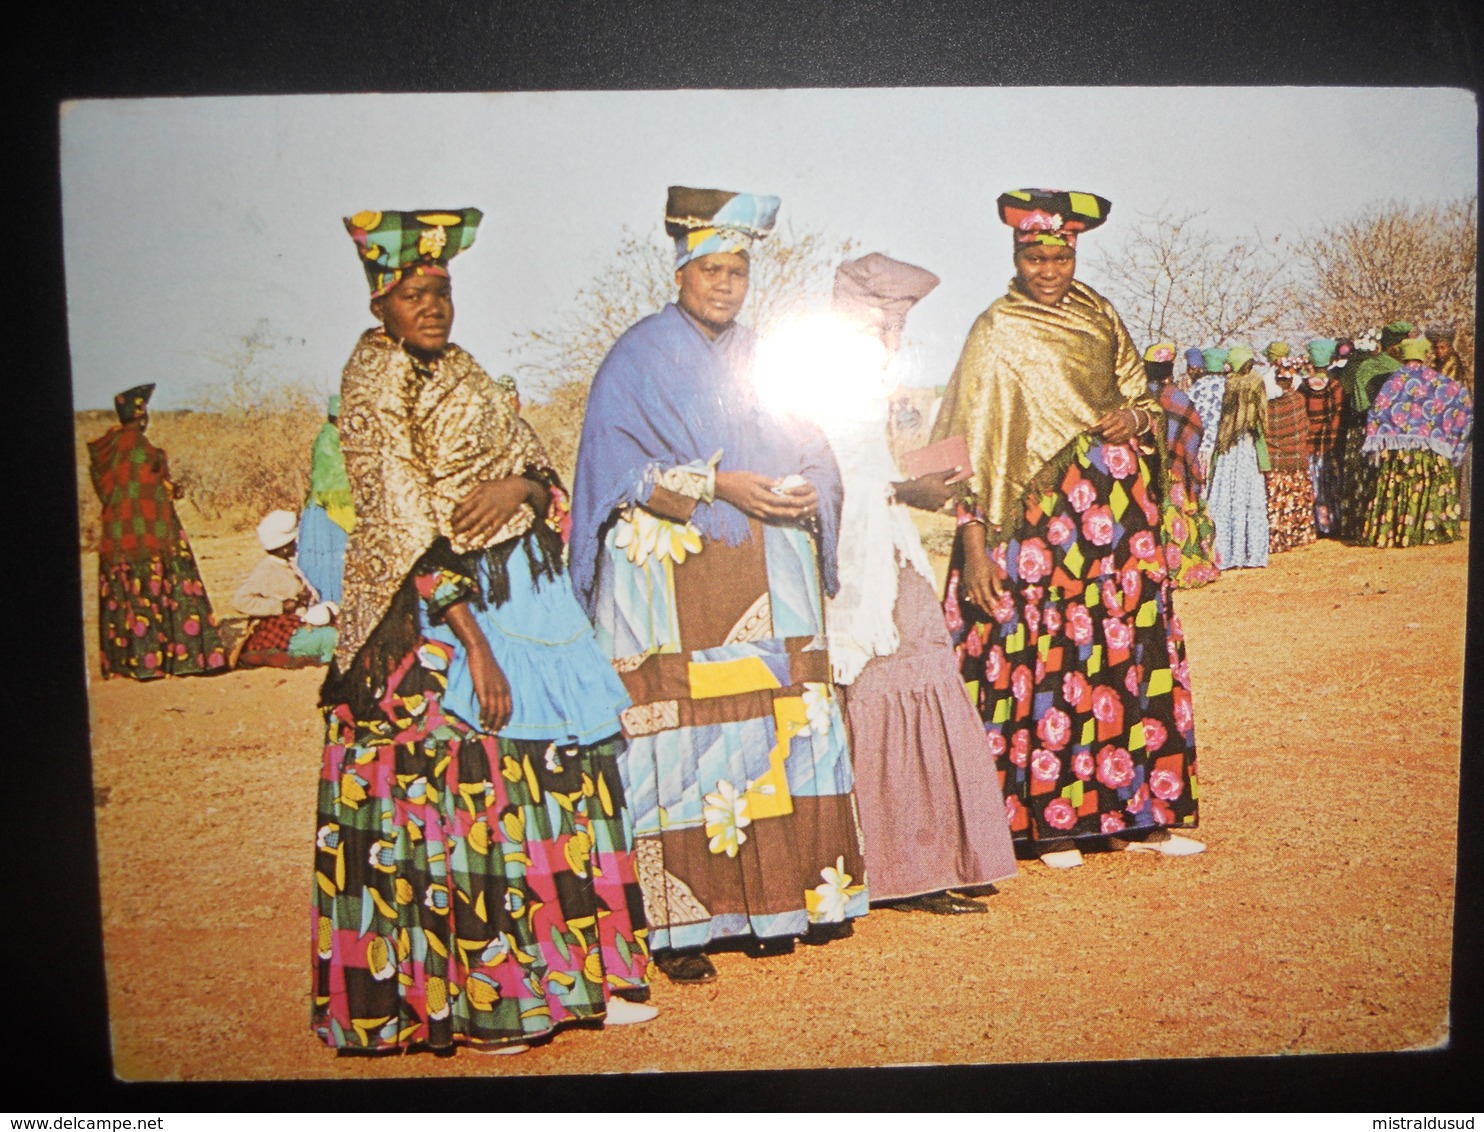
278, 528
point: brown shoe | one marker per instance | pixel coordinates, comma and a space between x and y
686, 967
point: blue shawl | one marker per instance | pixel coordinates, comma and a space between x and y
666, 395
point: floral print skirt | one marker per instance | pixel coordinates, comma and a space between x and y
1079, 671
470, 889
1290, 510
738, 768
154, 618
1414, 501
1189, 539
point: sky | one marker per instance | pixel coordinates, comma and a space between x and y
192, 224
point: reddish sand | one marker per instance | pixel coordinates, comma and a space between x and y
1327, 692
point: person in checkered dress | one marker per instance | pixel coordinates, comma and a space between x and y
154, 618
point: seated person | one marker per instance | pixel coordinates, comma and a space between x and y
289, 626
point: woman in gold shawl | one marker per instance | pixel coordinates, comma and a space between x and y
1058, 595
474, 863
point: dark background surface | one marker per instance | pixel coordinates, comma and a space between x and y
57, 1028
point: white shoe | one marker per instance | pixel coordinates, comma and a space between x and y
1062, 859
622, 1012
1163, 842
501, 1051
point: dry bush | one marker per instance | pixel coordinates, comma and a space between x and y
243, 452
557, 420
246, 453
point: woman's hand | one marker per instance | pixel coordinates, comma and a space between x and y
754, 495
1121, 425
493, 690
982, 581
490, 686
489, 505
929, 492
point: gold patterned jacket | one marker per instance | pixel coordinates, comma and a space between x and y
416, 438
1030, 379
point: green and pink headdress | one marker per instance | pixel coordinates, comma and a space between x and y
1054, 217
707, 221
395, 244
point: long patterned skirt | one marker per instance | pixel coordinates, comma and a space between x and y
471, 888
1079, 671
1326, 482
1359, 485
1189, 538
1415, 500
1239, 507
1290, 510
929, 798
737, 770
154, 618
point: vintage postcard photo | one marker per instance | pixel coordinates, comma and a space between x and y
586, 583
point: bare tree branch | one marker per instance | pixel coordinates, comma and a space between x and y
1173, 279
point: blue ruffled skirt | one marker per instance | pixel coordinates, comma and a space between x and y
563, 688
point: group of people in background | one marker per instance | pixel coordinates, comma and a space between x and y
711, 698
1362, 439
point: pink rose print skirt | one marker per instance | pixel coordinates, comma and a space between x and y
1079, 671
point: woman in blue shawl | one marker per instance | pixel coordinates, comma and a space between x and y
1416, 431
703, 536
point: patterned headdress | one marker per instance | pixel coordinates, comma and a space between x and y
1160, 352
1051, 216
707, 221
392, 244
130, 404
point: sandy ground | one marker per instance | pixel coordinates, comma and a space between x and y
1327, 693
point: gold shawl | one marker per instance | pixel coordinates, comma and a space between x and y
416, 439
1030, 379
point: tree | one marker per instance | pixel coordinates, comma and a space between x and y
1148, 275
1174, 279
1393, 260
788, 269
